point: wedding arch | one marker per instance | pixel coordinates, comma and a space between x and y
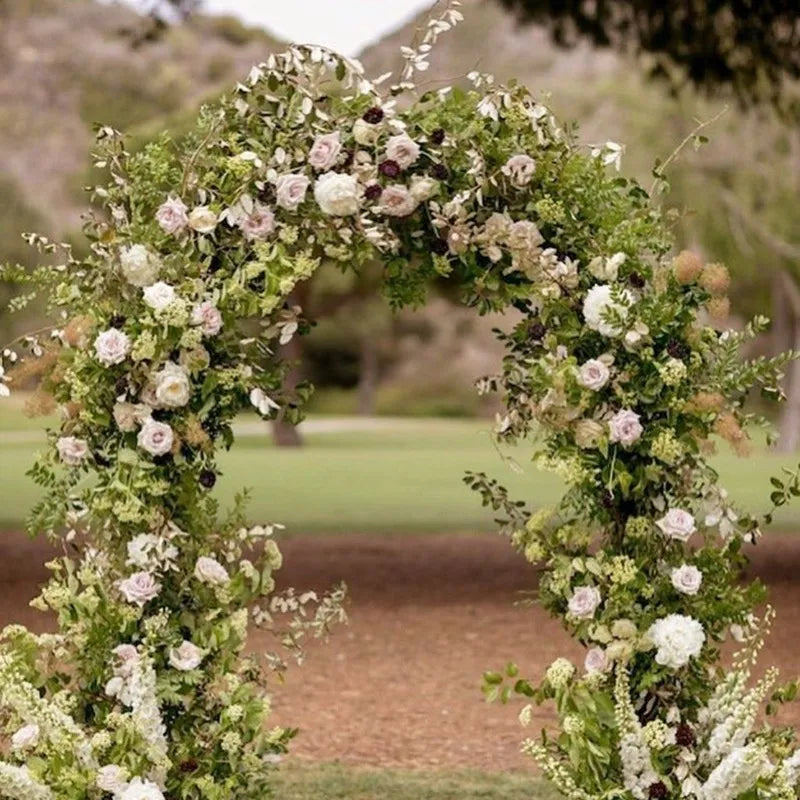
167, 330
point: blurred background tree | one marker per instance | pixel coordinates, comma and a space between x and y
750, 47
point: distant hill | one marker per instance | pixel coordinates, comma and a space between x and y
65, 65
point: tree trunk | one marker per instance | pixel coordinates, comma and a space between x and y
368, 377
786, 334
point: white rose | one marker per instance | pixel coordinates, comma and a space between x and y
594, 374
606, 269
26, 737
172, 386
624, 427
71, 450
171, 215
139, 588
397, 201
186, 657
687, 579
258, 224
209, 570
337, 194
208, 317
140, 267
325, 151
155, 438
290, 190
423, 187
402, 149
677, 524
598, 301
584, 602
677, 639
202, 219
364, 133
112, 347
596, 660
159, 295
112, 778
138, 789
519, 169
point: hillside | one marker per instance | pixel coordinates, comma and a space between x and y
67, 65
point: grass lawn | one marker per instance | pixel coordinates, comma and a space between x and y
406, 477
334, 782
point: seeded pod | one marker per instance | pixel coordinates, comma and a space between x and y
687, 266
715, 279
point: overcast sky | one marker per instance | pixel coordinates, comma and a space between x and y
343, 25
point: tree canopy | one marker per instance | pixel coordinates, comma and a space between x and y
749, 47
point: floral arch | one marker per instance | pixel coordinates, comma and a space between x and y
167, 330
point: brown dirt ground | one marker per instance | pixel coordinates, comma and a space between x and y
399, 686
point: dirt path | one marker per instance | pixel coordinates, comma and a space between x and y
399, 686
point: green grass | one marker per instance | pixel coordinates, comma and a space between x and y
399, 479
334, 782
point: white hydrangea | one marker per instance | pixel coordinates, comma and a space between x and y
139, 266
599, 301
678, 639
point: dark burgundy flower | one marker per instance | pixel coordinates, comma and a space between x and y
636, 280
684, 735
440, 247
440, 172
373, 115
190, 765
658, 791
208, 478
389, 168
373, 191
437, 137
677, 349
537, 330
117, 320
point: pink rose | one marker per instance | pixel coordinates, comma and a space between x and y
584, 602
172, 216
209, 570
596, 660
139, 588
402, 149
325, 151
71, 450
687, 579
594, 374
186, 657
207, 316
624, 427
677, 524
259, 223
397, 201
290, 190
111, 347
155, 438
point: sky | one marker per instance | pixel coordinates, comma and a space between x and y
343, 25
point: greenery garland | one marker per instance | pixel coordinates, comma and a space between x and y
167, 331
